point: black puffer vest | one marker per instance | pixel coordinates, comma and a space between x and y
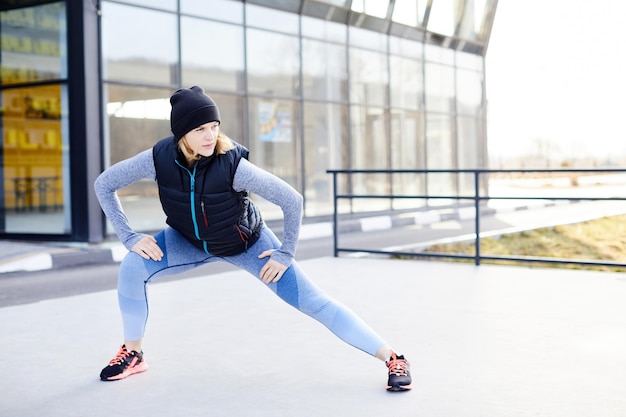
200, 202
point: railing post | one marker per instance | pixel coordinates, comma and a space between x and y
477, 215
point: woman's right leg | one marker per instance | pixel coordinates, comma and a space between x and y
134, 274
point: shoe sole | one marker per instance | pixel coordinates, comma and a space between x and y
399, 388
142, 367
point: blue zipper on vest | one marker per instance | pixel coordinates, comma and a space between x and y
192, 198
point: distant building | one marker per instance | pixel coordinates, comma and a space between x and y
306, 85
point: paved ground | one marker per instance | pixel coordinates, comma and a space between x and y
484, 341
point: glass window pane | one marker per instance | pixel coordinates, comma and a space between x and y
340, 3
406, 47
227, 10
406, 83
212, 54
139, 113
273, 142
469, 151
324, 71
439, 88
369, 149
33, 44
324, 29
369, 77
438, 54
439, 141
35, 160
232, 114
376, 8
469, 92
469, 61
152, 55
444, 15
273, 63
157, 4
440, 148
409, 12
137, 119
325, 147
367, 39
407, 152
266, 18
407, 140
470, 27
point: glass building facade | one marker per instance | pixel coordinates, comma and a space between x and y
306, 85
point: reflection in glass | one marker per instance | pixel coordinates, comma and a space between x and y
444, 15
35, 160
369, 77
469, 61
232, 115
438, 54
274, 134
151, 56
409, 12
367, 39
377, 8
271, 19
440, 148
34, 45
325, 147
406, 83
226, 10
473, 15
469, 92
137, 118
439, 88
212, 54
273, 63
157, 4
323, 29
324, 71
369, 149
407, 152
34, 125
406, 47
469, 151
340, 3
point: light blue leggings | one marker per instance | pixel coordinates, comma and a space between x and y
294, 287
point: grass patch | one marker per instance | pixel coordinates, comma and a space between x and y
602, 239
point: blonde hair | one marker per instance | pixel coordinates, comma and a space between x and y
223, 145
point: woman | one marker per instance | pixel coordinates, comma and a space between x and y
204, 181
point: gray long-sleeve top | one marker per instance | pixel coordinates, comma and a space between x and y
247, 177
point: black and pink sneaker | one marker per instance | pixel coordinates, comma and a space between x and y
124, 364
399, 373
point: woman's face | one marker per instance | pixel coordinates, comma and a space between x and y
202, 140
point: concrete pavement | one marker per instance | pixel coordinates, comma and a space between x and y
483, 341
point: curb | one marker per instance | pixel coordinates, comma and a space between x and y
41, 260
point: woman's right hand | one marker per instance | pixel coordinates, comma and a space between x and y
147, 248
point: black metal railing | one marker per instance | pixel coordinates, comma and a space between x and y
477, 199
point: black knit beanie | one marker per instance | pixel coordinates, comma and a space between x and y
191, 108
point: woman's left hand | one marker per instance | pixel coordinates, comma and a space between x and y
272, 271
